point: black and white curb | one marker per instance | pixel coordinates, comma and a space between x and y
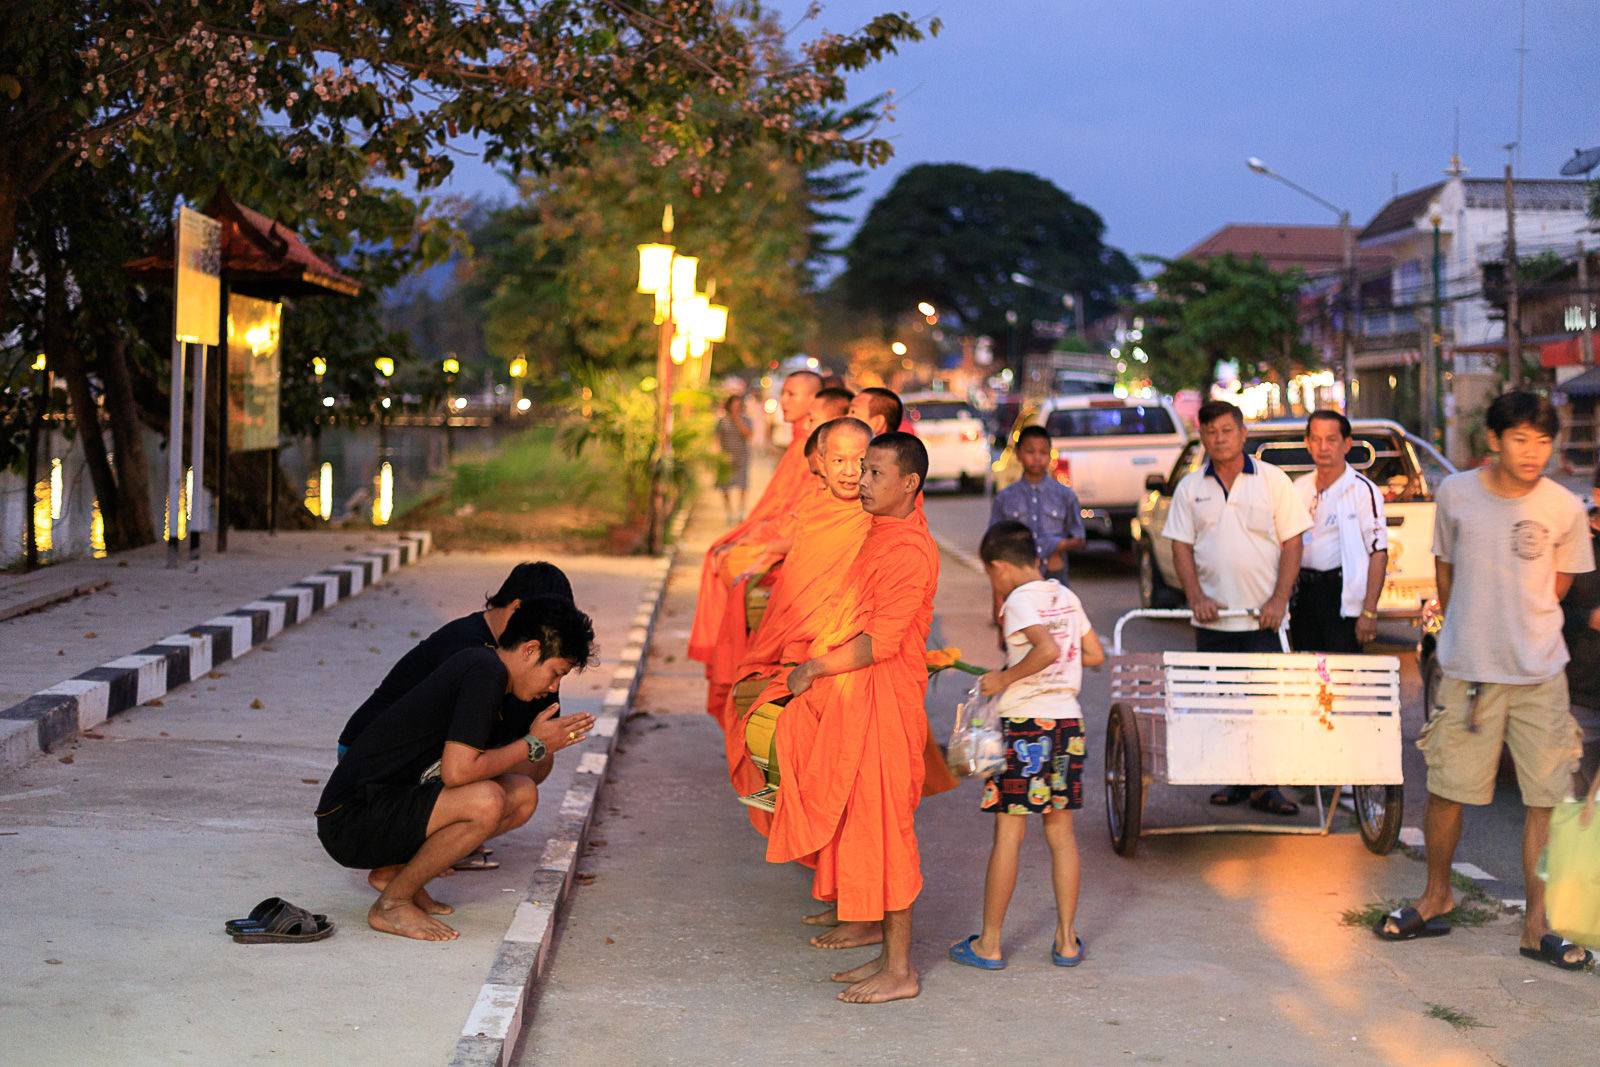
62, 711
496, 1020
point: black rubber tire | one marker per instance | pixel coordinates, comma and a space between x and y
1124, 780
1154, 592
1379, 811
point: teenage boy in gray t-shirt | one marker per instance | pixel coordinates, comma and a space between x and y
1506, 543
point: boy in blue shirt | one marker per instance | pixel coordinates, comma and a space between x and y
1048, 509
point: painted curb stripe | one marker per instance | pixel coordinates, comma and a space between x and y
496, 1020
30, 727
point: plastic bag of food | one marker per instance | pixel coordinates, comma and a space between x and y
1570, 867
977, 746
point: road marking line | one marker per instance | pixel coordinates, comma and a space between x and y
1473, 871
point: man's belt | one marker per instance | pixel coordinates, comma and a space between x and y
1311, 577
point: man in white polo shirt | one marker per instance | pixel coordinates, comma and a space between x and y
1345, 553
1235, 527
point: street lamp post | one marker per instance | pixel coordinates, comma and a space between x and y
1347, 243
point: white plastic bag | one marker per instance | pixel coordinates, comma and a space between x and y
977, 745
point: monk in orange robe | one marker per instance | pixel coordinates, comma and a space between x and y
828, 535
755, 558
777, 500
850, 743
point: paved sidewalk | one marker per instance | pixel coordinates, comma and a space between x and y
124, 851
1211, 949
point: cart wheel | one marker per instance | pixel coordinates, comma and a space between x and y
1379, 809
1124, 780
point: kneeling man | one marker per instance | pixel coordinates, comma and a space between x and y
429, 781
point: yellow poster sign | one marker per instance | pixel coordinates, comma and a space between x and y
198, 263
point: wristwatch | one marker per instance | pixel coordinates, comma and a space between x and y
536, 749
1373, 615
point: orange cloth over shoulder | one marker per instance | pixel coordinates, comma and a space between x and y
791, 477
850, 749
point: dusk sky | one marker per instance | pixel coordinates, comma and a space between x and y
1147, 109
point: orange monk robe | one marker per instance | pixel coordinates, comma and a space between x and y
827, 537
850, 747
733, 635
790, 478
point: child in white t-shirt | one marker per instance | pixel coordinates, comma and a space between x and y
1049, 640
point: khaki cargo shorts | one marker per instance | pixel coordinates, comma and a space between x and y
1463, 735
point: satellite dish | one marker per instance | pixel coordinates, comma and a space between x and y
1582, 162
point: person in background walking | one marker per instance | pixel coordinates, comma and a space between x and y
733, 437
1507, 543
1235, 528
1345, 552
1581, 608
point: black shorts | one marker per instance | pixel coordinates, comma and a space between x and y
379, 825
1044, 768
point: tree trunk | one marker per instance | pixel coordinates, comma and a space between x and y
122, 412
62, 352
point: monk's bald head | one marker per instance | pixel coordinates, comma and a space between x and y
794, 399
830, 403
814, 451
879, 408
844, 445
892, 474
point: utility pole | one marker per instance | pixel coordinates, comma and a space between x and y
1437, 367
1585, 306
1351, 301
1513, 308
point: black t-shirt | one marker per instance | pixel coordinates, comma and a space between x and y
461, 702
469, 631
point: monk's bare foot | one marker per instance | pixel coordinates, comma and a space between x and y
856, 974
851, 935
433, 907
407, 920
822, 918
882, 988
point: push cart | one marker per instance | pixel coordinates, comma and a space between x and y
1292, 718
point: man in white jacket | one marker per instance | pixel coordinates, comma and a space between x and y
1345, 552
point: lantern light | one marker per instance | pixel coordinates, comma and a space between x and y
385, 366
683, 272
655, 265
519, 367
452, 365
716, 323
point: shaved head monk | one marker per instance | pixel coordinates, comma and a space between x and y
789, 480
850, 744
750, 559
879, 408
828, 534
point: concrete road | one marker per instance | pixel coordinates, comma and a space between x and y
685, 947
1107, 582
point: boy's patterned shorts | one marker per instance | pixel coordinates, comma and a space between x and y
1044, 768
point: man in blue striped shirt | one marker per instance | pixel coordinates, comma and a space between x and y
1048, 509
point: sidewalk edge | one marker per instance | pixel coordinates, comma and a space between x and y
62, 711
497, 1018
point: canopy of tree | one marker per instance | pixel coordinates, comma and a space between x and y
953, 236
112, 111
1212, 310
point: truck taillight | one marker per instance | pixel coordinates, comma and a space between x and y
1063, 470
969, 434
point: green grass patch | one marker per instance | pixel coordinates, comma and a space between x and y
1465, 914
1459, 1019
531, 469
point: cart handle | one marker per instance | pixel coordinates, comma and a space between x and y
1185, 613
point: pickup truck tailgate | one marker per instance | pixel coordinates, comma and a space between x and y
1112, 472
1410, 579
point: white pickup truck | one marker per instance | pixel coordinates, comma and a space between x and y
1406, 468
1105, 448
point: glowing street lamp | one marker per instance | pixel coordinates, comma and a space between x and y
452, 366
385, 366
519, 371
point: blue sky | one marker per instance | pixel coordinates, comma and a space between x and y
1147, 109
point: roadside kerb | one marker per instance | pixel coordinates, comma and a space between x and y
496, 1020
61, 711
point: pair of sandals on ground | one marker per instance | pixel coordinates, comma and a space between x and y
1410, 925
275, 921
1267, 799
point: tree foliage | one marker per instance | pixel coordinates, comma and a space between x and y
316, 112
556, 274
1224, 308
954, 235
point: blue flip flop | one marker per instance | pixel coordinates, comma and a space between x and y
1066, 961
962, 953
